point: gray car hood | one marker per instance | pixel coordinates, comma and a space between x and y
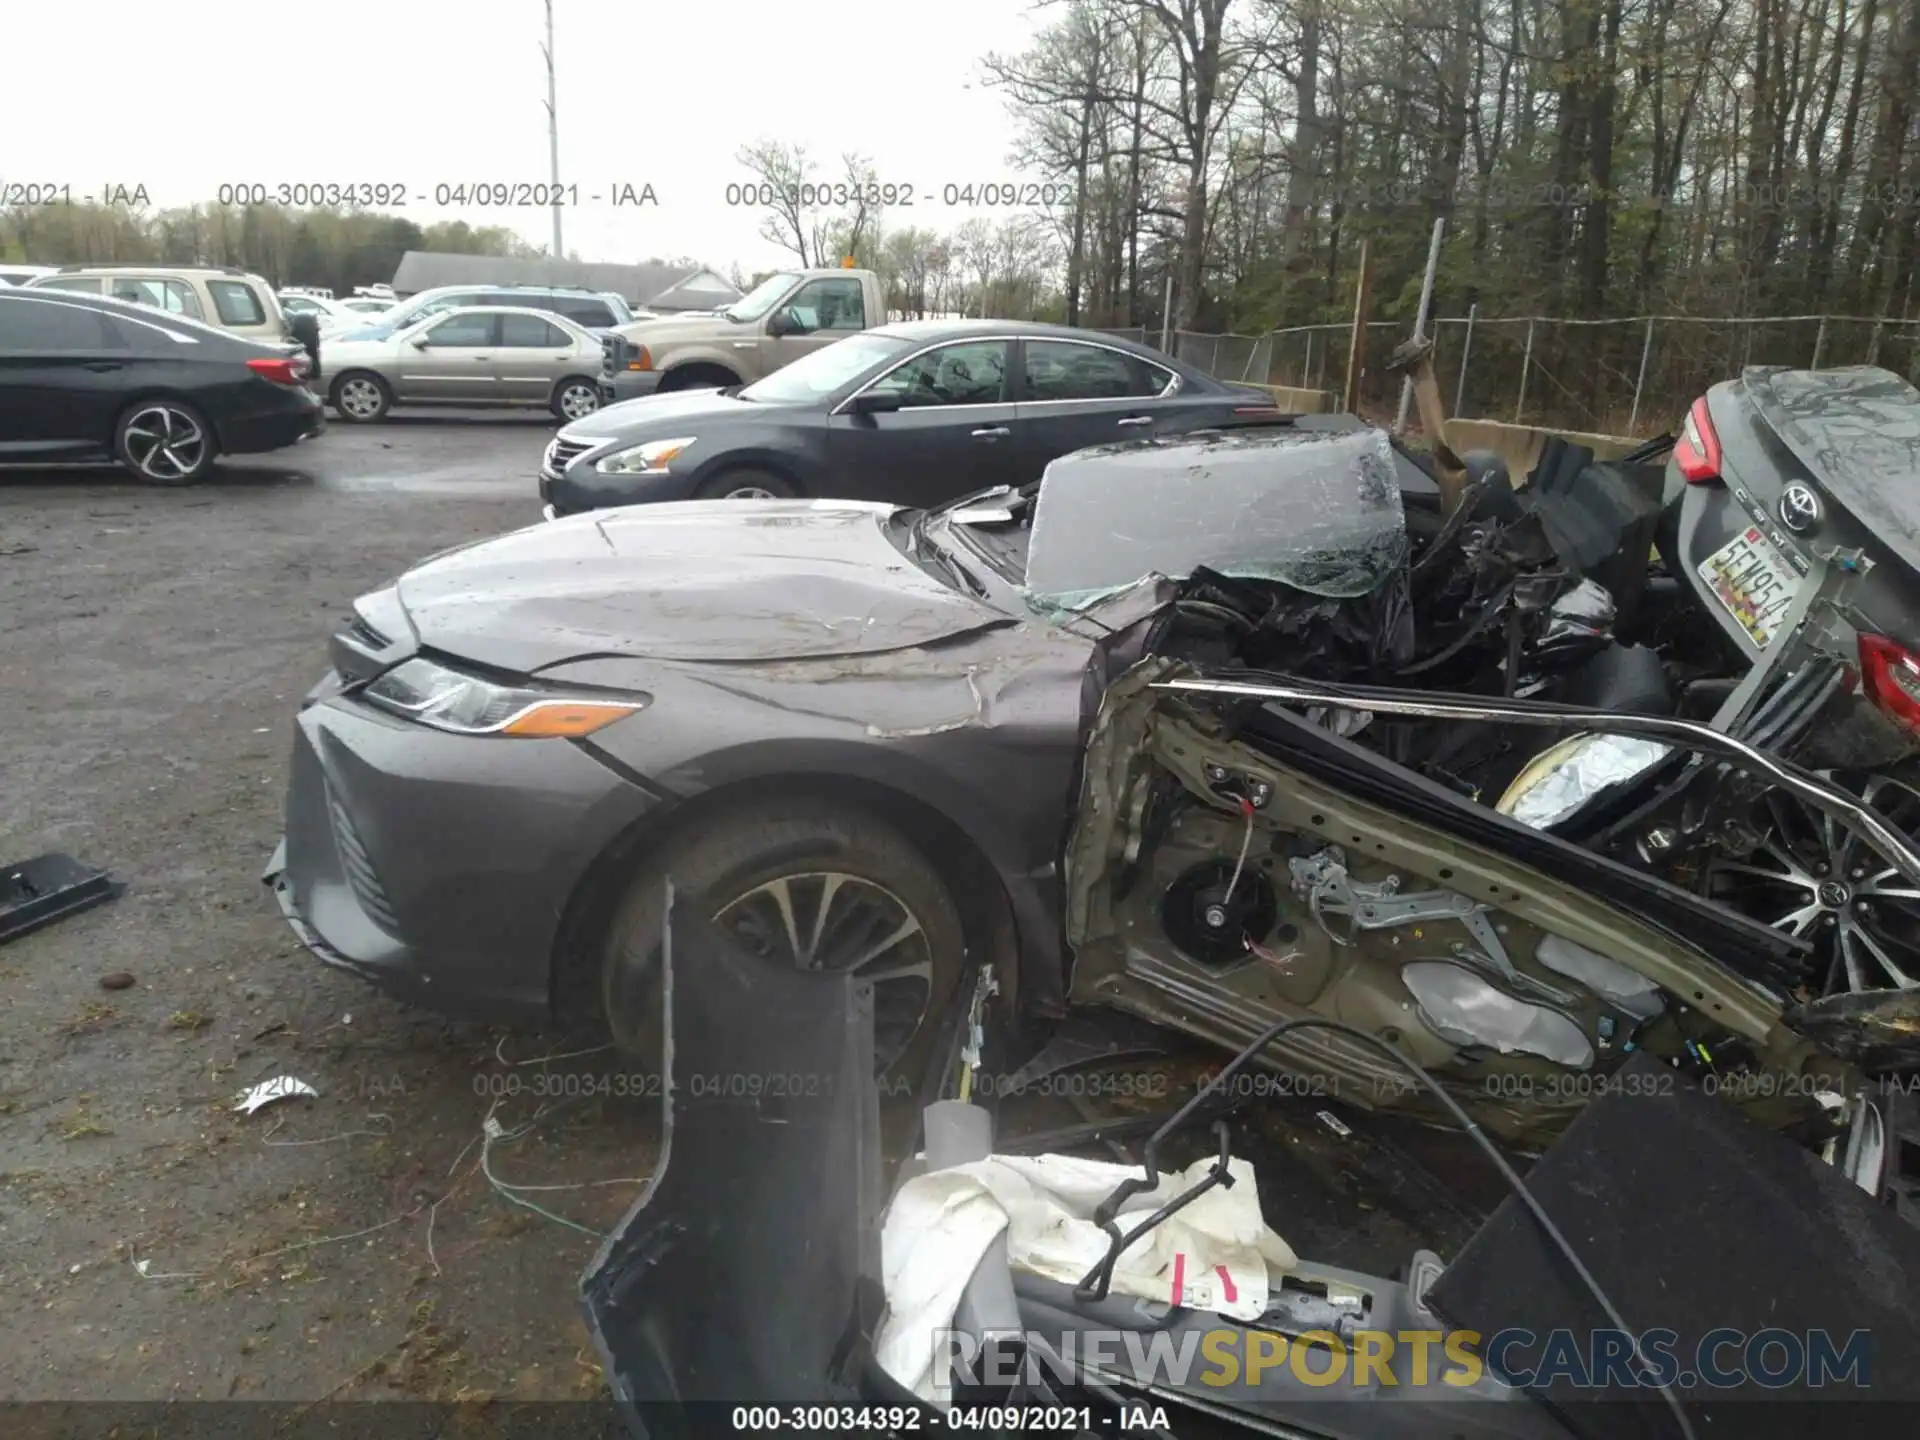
717, 580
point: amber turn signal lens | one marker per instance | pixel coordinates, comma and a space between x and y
564, 719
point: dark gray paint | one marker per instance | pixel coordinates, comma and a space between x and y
713, 582
1857, 429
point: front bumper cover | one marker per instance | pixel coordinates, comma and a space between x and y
439, 867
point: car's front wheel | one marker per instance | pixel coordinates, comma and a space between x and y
747, 485
164, 442
361, 397
807, 884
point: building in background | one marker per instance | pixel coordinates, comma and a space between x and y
649, 287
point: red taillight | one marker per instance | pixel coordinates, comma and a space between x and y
1256, 410
1890, 676
1697, 452
282, 370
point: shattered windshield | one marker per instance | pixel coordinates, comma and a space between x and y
1319, 512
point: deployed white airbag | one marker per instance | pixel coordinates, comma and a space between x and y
1213, 1255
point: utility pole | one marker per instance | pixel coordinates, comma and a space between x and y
553, 135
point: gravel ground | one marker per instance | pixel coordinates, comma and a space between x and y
152, 646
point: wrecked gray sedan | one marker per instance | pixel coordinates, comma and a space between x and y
901, 744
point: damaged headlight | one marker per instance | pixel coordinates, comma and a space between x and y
463, 704
652, 458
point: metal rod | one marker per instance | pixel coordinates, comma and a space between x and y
1819, 344
1526, 360
1646, 350
553, 136
1466, 352
1166, 317
1420, 317
1357, 340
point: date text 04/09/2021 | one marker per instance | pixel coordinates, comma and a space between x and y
64, 192
454, 194
906, 1419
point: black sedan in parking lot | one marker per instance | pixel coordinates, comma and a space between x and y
914, 414
83, 378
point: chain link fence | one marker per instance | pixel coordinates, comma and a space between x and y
1634, 375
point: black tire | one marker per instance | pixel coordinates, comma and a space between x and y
730, 860
350, 386
164, 441
574, 385
747, 484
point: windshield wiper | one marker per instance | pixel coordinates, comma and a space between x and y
922, 548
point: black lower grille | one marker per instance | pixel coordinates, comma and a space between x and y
359, 867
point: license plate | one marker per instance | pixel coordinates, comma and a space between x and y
1754, 581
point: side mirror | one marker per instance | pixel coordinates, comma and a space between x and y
874, 402
419, 342
781, 323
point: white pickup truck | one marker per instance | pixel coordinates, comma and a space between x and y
782, 318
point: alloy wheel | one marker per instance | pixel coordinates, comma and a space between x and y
1818, 881
833, 921
164, 443
579, 401
360, 398
750, 492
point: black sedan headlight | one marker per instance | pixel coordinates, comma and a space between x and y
463, 704
649, 458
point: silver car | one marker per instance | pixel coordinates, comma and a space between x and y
481, 355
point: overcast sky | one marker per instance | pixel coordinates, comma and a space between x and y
196, 93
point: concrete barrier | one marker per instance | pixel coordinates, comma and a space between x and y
1520, 445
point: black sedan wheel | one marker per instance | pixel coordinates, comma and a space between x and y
802, 884
747, 485
165, 442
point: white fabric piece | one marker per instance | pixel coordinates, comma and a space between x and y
1213, 1255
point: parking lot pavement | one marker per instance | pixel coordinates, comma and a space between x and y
153, 645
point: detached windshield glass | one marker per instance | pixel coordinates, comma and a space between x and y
815, 376
759, 300
1319, 512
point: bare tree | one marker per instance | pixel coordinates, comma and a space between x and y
784, 186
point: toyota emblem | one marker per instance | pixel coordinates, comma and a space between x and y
1799, 508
